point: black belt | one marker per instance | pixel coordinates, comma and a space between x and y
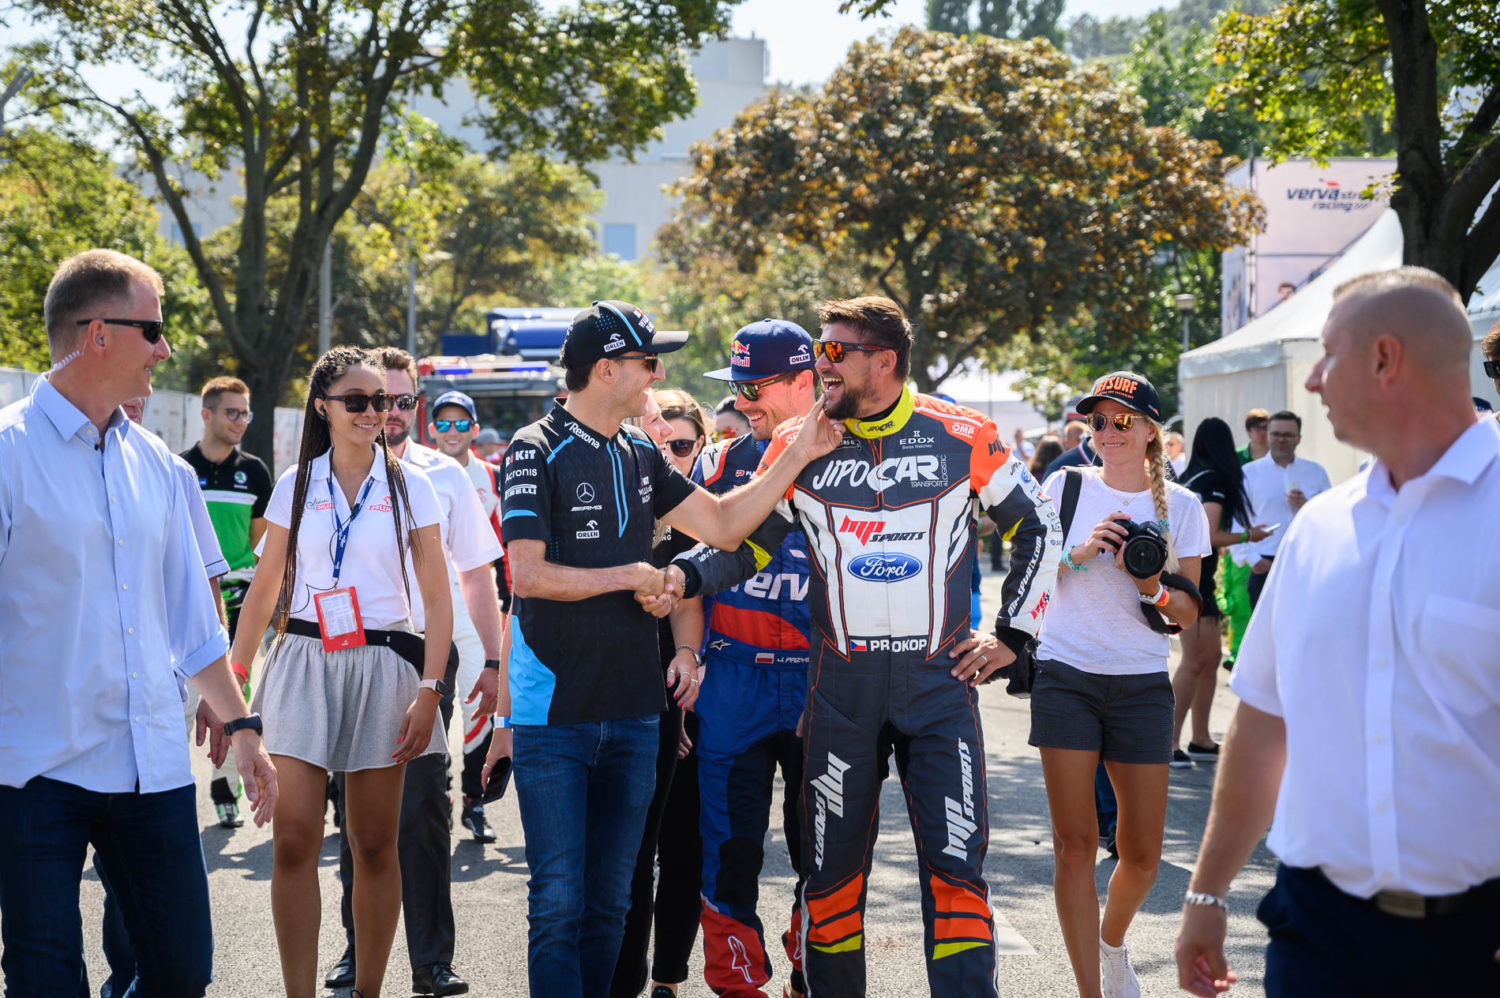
1407, 904
404, 643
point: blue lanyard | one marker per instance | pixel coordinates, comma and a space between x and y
341, 530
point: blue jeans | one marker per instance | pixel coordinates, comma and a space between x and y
152, 861
583, 791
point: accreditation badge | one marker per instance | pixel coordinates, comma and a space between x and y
339, 622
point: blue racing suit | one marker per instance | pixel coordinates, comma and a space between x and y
754, 689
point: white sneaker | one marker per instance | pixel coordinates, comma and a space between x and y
1116, 977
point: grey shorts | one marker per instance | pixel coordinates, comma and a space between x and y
1123, 718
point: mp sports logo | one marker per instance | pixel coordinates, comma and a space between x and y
868, 531
961, 823
884, 567
915, 470
829, 790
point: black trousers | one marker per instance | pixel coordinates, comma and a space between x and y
1255, 583
672, 845
424, 848
1328, 944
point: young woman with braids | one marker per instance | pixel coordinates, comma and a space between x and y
1215, 474
1101, 687
344, 519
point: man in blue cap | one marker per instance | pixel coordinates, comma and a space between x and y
757, 656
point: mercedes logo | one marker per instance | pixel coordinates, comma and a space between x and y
585, 493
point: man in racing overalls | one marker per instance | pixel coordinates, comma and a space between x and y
894, 664
755, 678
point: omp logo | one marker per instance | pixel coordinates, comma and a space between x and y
739, 959
888, 644
1041, 606
882, 567
961, 429
891, 471
1125, 386
961, 823
739, 354
868, 530
829, 791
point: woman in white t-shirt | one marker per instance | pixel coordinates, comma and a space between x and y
1101, 688
348, 687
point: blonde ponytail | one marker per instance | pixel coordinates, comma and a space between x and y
1156, 470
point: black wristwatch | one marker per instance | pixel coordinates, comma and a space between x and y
250, 722
492, 663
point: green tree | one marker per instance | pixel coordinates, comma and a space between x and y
1322, 71
989, 187
58, 197
295, 96
1022, 19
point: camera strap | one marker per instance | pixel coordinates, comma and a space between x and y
1072, 486
1154, 618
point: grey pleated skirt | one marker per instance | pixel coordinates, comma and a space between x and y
339, 710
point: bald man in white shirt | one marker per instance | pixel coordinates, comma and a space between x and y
1369, 720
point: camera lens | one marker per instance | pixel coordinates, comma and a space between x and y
1144, 552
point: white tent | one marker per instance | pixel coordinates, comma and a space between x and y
1266, 362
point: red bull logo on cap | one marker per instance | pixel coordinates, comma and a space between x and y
739, 354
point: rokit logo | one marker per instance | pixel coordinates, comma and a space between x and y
884, 567
868, 531
915, 470
828, 790
961, 823
524, 454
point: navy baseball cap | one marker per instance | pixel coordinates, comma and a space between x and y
765, 349
1127, 388
456, 398
1482, 404
607, 329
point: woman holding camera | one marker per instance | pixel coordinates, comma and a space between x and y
1101, 688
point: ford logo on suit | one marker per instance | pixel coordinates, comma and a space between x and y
884, 567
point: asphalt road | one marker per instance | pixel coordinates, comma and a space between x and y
489, 890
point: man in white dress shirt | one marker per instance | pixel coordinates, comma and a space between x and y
1369, 683
102, 593
1279, 485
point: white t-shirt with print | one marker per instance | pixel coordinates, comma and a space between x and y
370, 563
1094, 621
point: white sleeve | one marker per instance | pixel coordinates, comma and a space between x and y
1192, 528
214, 564
1254, 680
425, 508
471, 541
279, 509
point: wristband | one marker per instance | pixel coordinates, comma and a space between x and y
697, 659
502, 721
240, 672
1067, 560
1158, 599
1247, 535
492, 663
1197, 899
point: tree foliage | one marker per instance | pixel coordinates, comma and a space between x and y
989, 187
1321, 71
295, 97
59, 197
1091, 37
1021, 19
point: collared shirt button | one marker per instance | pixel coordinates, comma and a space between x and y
137, 719
120, 542
135, 675
130, 630
124, 585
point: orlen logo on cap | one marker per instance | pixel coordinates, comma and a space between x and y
884, 567
739, 354
1124, 386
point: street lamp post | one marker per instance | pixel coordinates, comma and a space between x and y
1186, 304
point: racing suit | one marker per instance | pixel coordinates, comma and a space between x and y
889, 528
754, 686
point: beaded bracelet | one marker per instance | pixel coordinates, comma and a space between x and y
1067, 560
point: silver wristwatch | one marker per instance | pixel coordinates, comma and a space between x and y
1198, 899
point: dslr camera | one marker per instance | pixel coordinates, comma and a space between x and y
1144, 550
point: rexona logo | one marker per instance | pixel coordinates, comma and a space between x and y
891, 471
879, 567
869, 530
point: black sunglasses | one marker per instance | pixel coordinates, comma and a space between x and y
750, 390
653, 364
1492, 368
381, 402
1123, 421
406, 402
151, 329
444, 425
834, 350
683, 447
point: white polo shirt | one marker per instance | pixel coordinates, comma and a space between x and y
1377, 640
370, 563
1267, 483
481, 474
467, 538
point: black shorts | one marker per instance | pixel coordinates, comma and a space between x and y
1123, 718
1209, 588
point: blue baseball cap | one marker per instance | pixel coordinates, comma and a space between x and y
765, 349
456, 398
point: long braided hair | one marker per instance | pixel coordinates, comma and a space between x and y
1156, 470
316, 440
